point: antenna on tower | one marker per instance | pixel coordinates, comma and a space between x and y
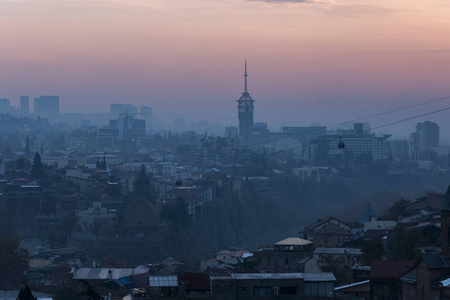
245, 76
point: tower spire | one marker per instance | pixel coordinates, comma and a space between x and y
245, 76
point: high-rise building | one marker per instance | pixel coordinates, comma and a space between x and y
24, 105
5, 108
245, 113
427, 135
47, 106
122, 109
146, 114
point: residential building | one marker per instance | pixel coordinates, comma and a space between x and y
24, 106
272, 285
284, 256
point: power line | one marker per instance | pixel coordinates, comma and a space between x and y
355, 120
381, 126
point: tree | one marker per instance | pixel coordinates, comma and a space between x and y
13, 263
90, 292
26, 294
36, 168
11, 255
397, 209
339, 266
68, 293
372, 250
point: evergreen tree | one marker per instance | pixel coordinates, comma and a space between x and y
26, 294
36, 168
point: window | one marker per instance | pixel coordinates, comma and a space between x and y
261, 291
286, 261
288, 290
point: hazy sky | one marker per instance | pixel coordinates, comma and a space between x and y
325, 60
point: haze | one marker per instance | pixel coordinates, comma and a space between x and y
326, 61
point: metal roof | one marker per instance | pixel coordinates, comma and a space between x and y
157, 281
410, 277
338, 251
105, 273
304, 276
435, 261
350, 285
293, 241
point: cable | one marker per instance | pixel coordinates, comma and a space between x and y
377, 127
355, 120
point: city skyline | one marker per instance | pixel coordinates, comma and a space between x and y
310, 61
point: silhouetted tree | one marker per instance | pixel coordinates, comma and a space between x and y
36, 168
90, 292
68, 293
26, 294
372, 250
13, 259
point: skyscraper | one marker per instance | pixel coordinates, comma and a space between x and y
47, 106
146, 114
428, 135
120, 109
24, 105
245, 113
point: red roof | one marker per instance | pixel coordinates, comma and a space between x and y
389, 269
195, 282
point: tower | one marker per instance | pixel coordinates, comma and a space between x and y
24, 106
245, 113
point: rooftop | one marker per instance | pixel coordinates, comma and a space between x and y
293, 241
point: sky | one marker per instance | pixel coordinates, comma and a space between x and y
326, 61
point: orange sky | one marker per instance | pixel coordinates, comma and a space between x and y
309, 60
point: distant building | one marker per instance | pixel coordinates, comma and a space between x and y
273, 285
305, 133
357, 141
328, 232
117, 109
24, 105
129, 130
245, 114
399, 148
231, 132
284, 255
428, 135
424, 138
47, 107
5, 108
146, 113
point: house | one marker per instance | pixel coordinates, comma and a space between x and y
231, 252
271, 285
346, 257
328, 232
384, 275
284, 256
